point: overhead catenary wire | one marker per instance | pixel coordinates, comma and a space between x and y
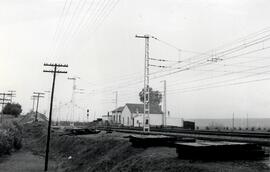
238, 55
86, 18
73, 27
258, 67
178, 49
82, 22
207, 62
91, 18
107, 14
174, 72
69, 26
222, 75
230, 50
58, 26
95, 19
222, 85
58, 36
102, 11
228, 80
227, 55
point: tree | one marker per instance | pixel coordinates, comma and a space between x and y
14, 109
155, 96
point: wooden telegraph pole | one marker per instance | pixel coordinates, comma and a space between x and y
164, 118
33, 106
37, 95
54, 71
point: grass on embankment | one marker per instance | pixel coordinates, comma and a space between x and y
111, 152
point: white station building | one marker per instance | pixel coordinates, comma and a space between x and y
132, 115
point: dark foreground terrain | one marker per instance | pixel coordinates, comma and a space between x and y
109, 152
23, 161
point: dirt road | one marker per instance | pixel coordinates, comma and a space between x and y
23, 161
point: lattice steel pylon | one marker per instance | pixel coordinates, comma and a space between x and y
146, 91
74, 87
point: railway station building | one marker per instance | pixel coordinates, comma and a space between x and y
132, 115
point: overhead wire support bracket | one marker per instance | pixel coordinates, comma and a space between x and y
159, 66
215, 59
162, 60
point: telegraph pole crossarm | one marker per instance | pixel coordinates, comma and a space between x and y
3, 102
12, 94
5, 94
1, 99
55, 66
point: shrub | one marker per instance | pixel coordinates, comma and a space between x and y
14, 109
5, 142
10, 137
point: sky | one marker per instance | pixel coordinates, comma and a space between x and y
96, 38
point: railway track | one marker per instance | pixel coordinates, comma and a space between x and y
220, 133
251, 137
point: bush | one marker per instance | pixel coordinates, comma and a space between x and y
5, 142
10, 137
14, 109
